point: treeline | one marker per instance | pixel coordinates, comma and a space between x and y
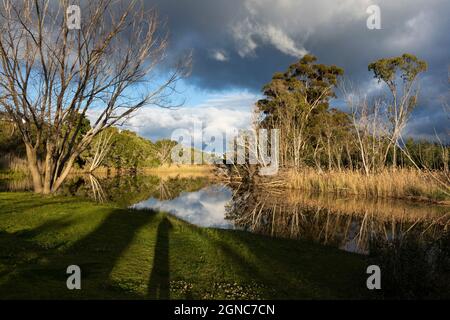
125, 150
367, 137
114, 148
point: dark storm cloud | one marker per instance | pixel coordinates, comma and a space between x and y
240, 44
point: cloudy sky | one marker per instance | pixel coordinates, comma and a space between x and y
238, 44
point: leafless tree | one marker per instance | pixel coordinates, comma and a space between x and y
53, 77
102, 147
371, 129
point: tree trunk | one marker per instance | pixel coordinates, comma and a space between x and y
65, 172
329, 153
34, 168
394, 156
48, 170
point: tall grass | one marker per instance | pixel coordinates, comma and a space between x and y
399, 183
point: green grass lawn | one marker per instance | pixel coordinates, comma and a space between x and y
143, 254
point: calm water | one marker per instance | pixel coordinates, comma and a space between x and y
350, 224
205, 207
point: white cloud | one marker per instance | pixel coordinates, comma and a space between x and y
243, 35
219, 113
219, 55
283, 42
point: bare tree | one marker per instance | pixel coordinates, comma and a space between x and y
163, 150
52, 77
369, 120
102, 147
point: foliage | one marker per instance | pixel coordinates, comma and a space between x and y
128, 151
297, 102
400, 75
10, 141
386, 69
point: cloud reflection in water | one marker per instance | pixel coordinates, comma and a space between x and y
205, 208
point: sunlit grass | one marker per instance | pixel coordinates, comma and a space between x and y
144, 254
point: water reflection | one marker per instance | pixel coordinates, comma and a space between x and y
126, 191
205, 207
350, 224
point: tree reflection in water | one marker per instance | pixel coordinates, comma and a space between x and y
126, 190
410, 242
347, 223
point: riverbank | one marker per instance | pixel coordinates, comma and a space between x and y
143, 254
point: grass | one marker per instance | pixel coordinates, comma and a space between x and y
401, 184
131, 254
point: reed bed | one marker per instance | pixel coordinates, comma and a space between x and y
399, 183
180, 170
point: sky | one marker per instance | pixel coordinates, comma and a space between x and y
237, 45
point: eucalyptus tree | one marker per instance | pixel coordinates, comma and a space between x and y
294, 102
400, 74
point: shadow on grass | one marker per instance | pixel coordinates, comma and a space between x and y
34, 203
158, 286
97, 253
288, 268
102, 248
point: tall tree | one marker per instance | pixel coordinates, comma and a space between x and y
293, 103
52, 77
400, 75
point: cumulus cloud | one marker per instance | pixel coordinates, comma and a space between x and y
217, 115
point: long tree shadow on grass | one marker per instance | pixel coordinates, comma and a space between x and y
103, 247
158, 286
268, 266
97, 253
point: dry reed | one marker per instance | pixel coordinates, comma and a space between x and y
399, 183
